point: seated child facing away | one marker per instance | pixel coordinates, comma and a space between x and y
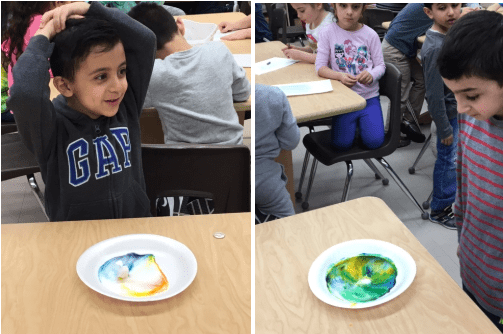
87, 140
275, 129
192, 88
471, 64
354, 52
442, 106
317, 16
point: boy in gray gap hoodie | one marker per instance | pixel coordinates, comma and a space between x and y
443, 109
275, 129
192, 88
87, 140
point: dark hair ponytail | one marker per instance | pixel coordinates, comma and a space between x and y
20, 19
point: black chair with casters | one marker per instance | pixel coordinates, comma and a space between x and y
277, 20
319, 145
18, 161
222, 171
327, 122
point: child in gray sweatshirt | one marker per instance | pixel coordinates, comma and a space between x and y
275, 129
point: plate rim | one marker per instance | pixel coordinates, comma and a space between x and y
133, 299
317, 263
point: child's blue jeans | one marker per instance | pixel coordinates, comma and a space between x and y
444, 172
370, 122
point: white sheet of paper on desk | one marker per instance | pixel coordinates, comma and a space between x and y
272, 64
199, 33
306, 88
243, 60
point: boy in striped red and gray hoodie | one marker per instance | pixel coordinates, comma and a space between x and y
471, 64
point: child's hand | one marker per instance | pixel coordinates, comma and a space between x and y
60, 14
240, 34
348, 80
225, 26
365, 78
48, 30
294, 54
448, 141
288, 47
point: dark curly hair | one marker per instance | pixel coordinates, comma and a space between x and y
21, 18
75, 43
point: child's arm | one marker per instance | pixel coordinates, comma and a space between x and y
435, 93
241, 87
322, 60
30, 98
139, 44
297, 54
375, 51
288, 133
244, 23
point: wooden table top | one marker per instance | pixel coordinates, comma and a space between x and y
307, 107
286, 248
42, 293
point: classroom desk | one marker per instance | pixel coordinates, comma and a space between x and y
305, 107
42, 293
286, 248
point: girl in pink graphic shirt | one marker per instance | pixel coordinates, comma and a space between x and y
353, 51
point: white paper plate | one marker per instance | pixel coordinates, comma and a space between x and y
176, 261
405, 265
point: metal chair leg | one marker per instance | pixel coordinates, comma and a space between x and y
305, 204
298, 194
426, 204
377, 172
36, 191
411, 111
402, 186
347, 184
412, 169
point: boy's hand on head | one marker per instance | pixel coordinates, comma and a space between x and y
60, 14
448, 141
466, 10
48, 30
348, 80
365, 78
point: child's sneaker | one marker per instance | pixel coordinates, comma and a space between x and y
444, 218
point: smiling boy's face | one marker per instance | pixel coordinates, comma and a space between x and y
100, 83
477, 97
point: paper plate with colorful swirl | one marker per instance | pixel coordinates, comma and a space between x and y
361, 273
138, 267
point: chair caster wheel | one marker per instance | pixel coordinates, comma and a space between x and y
412, 170
298, 195
385, 182
377, 177
426, 205
425, 215
305, 206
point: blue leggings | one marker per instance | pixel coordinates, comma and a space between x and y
370, 122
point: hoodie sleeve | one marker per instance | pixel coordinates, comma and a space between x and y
30, 98
139, 44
